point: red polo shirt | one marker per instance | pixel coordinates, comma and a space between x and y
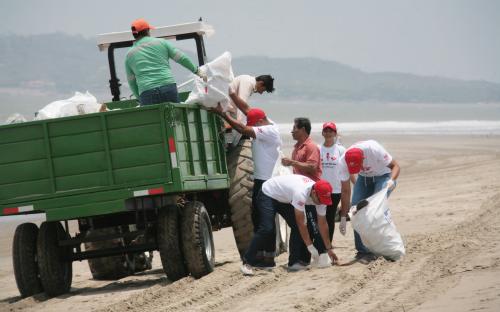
307, 152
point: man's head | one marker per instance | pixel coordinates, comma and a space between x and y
329, 130
256, 117
321, 193
301, 129
354, 159
264, 83
140, 28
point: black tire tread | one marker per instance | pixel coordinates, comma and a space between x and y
169, 244
55, 272
106, 268
240, 169
194, 217
24, 260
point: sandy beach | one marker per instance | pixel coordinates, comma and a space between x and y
446, 206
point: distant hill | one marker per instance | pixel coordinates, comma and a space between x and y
61, 64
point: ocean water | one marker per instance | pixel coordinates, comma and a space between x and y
452, 127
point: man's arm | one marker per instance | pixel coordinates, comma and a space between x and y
235, 124
307, 167
304, 233
395, 169
132, 82
323, 230
345, 197
239, 102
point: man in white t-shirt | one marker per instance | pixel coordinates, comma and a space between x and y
288, 195
376, 170
266, 143
240, 90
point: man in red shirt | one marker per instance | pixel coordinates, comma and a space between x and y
306, 161
306, 158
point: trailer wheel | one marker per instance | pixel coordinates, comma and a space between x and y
197, 238
107, 268
25, 260
240, 169
169, 243
53, 261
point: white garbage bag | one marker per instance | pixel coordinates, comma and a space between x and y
375, 226
15, 118
79, 104
279, 169
219, 74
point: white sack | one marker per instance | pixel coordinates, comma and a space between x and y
79, 104
279, 169
219, 74
375, 226
15, 118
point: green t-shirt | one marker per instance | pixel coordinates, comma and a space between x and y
147, 64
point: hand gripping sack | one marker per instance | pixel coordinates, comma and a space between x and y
219, 74
374, 224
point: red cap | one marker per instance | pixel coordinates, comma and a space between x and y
140, 25
330, 125
323, 190
254, 115
354, 159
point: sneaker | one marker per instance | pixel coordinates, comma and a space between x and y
323, 261
298, 267
246, 269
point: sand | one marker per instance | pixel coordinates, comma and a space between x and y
446, 205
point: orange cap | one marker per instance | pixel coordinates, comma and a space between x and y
140, 25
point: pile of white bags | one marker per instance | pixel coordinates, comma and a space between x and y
79, 104
219, 74
375, 226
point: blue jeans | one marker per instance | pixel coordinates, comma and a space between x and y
166, 93
270, 247
264, 234
364, 188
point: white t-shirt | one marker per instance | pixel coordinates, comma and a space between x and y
292, 189
375, 162
265, 150
244, 87
330, 157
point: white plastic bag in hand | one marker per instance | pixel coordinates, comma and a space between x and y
211, 91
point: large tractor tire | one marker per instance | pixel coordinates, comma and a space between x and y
197, 239
107, 268
54, 265
240, 169
25, 260
169, 243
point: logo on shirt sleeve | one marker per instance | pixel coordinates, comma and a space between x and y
301, 203
260, 130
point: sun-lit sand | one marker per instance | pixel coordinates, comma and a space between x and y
446, 206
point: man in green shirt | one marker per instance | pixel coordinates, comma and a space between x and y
148, 69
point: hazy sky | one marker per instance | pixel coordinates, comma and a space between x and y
452, 38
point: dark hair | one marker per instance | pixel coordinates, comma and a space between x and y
268, 81
302, 122
140, 34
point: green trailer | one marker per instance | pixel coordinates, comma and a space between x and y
135, 179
